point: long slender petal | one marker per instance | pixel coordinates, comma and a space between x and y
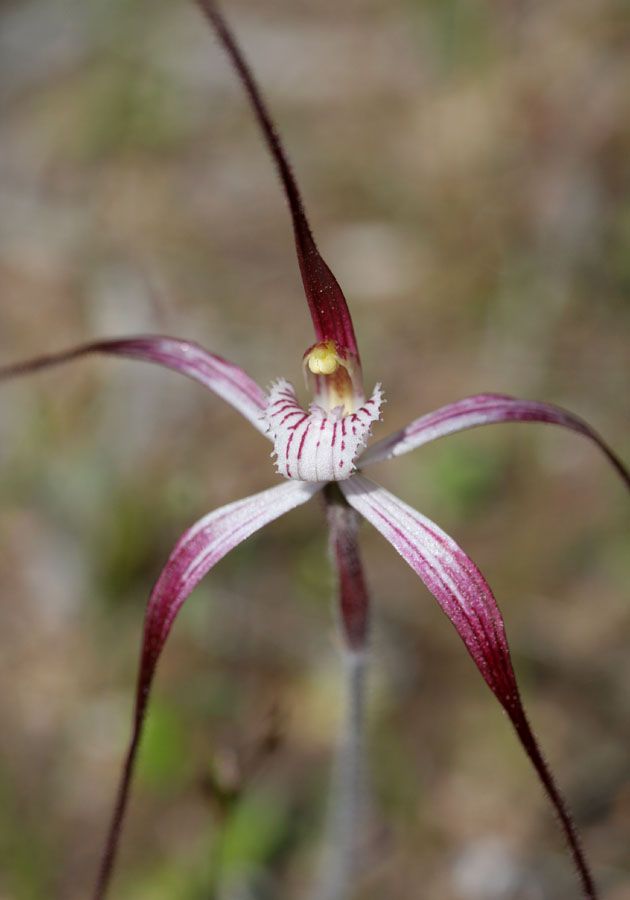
197, 551
465, 597
483, 409
230, 382
353, 598
327, 304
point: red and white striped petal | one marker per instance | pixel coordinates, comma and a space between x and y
225, 379
317, 445
202, 546
451, 577
197, 551
483, 409
466, 598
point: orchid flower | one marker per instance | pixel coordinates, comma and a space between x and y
323, 449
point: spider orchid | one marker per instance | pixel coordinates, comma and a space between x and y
323, 449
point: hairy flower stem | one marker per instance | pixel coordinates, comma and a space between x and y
348, 790
346, 812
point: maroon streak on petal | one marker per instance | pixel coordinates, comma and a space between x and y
483, 409
329, 310
344, 547
230, 382
465, 597
197, 551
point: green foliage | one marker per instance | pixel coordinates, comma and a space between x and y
26, 868
166, 759
461, 31
253, 834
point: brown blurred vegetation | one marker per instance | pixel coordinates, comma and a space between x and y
465, 164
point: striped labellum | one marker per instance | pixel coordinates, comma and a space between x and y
318, 445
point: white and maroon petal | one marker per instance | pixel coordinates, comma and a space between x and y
225, 379
317, 445
483, 409
466, 598
197, 551
203, 545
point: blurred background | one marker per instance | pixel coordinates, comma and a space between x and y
464, 163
